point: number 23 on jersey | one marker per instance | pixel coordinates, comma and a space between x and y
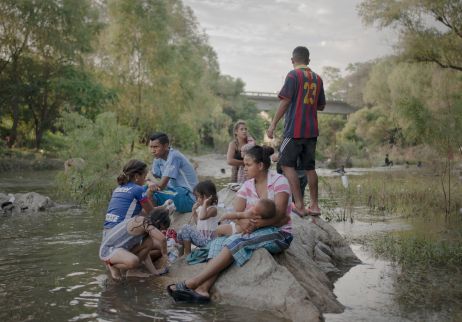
310, 93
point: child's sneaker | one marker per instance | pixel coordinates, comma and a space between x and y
170, 206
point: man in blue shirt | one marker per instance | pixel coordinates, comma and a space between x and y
176, 174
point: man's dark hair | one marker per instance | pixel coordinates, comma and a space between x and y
161, 137
301, 54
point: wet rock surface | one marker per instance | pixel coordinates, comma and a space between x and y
31, 202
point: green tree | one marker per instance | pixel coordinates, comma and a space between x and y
337, 87
44, 58
163, 72
368, 127
17, 24
348, 88
430, 30
238, 107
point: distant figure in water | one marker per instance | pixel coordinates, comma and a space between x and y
419, 164
388, 162
341, 170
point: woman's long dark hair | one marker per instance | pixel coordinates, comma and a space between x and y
261, 154
131, 168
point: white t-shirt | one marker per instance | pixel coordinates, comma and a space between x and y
207, 226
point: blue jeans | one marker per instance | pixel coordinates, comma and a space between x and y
181, 197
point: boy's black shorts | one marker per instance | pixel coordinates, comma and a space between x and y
303, 150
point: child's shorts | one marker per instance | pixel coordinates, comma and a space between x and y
117, 237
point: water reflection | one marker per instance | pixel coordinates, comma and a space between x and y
367, 291
378, 290
49, 271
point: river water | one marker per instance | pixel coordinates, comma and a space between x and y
50, 271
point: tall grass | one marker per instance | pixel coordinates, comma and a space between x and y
400, 193
411, 249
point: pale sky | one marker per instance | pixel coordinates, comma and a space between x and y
254, 39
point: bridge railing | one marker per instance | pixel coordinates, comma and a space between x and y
275, 94
263, 94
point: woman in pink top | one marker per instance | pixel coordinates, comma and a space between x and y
274, 234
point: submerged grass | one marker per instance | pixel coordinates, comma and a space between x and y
436, 239
428, 257
399, 193
409, 249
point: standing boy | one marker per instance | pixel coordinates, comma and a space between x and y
301, 97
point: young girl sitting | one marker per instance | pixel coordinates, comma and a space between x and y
204, 212
264, 209
131, 205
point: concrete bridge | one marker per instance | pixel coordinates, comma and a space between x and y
270, 101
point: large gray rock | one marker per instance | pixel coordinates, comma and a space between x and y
24, 203
296, 284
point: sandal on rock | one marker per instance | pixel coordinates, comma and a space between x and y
182, 293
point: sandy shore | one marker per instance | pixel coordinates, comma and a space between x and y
212, 165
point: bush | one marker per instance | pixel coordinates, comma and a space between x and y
105, 146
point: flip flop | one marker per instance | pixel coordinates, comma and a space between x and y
313, 213
182, 293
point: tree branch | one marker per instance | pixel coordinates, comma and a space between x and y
441, 17
439, 63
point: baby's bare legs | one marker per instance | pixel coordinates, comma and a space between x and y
228, 229
224, 230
